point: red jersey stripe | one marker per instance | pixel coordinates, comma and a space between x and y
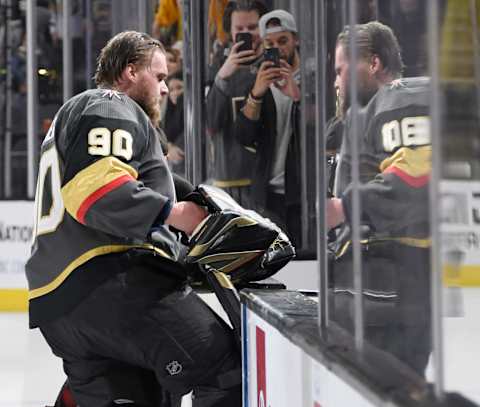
415, 182
95, 196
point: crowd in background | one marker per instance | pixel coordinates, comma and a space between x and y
406, 17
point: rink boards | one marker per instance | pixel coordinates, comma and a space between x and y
16, 220
279, 373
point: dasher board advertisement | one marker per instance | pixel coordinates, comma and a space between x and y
460, 232
273, 366
278, 373
329, 390
16, 226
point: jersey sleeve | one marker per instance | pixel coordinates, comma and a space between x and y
396, 198
394, 161
102, 186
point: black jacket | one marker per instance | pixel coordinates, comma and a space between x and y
230, 161
260, 135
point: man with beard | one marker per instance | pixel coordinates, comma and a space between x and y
109, 299
392, 128
269, 125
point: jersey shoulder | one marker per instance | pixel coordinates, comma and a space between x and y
399, 115
102, 103
100, 108
402, 92
114, 105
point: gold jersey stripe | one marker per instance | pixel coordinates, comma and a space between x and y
234, 183
92, 179
415, 162
419, 243
98, 251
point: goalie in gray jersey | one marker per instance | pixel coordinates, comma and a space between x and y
394, 168
113, 304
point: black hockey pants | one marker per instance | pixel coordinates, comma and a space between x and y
126, 328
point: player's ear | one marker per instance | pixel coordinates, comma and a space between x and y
375, 64
129, 74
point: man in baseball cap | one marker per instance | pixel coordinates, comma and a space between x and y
285, 22
269, 122
278, 29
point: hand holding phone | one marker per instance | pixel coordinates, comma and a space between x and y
240, 54
273, 55
247, 41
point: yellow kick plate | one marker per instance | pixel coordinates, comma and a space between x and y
13, 300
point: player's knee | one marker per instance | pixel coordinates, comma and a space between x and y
222, 389
230, 373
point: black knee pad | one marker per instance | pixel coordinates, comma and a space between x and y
117, 386
230, 373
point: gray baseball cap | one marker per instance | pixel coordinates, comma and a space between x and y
287, 22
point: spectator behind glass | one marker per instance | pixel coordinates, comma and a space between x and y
269, 123
174, 60
174, 64
216, 32
239, 16
393, 198
172, 123
231, 164
167, 23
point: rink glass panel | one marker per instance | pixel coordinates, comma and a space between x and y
458, 72
386, 254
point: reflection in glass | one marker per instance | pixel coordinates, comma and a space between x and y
459, 71
392, 132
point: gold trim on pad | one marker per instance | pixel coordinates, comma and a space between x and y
223, 280
240, 222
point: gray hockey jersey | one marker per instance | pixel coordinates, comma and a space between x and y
103, 183
394, 159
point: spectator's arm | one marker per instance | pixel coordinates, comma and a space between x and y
288, 86
266, 76
253, 108
246, 130
218, 102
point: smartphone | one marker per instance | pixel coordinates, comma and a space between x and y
272, 54
247, 41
